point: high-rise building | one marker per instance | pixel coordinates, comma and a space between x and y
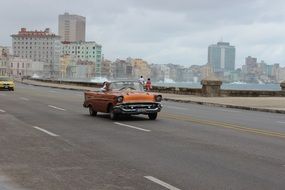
221, 57
71, 28
39, 46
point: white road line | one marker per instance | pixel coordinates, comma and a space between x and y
56, 107
2, 94
2, 111
282, 122
25, 99
52, 91
233, 111
174, 107
45, 131
162, 183
133, 127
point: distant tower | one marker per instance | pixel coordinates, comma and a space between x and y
221, 57
71, 28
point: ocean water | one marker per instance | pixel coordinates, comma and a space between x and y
226, 86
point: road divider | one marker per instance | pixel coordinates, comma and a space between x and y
51, 106
162, 183
45, 131
133, 127
224, 125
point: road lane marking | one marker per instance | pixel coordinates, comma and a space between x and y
2, 94
228, 110
224, 125
61, 109
3, 111
45, 131
162, 183
174, 107
282, 122
53, 91
133, 127
23, 98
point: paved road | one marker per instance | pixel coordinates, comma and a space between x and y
49, 142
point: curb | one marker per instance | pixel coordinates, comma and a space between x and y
183, 101
227, 106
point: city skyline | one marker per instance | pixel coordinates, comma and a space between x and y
164, 32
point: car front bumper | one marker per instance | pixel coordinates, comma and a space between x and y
139, 108
7, 86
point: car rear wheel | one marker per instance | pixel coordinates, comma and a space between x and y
152, 116
92, 112
113, 115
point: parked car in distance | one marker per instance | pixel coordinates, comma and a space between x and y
6, 83
123, 98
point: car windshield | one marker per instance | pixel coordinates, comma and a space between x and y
126, 85
5, 79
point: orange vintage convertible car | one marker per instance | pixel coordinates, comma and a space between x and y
123, 98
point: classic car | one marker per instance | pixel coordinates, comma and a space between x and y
123, 98
6, 83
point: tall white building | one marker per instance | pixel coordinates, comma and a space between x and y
39, 46
71, 28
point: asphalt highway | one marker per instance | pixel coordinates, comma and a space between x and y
48, 141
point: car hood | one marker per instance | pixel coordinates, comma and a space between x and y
134, 96
6, 82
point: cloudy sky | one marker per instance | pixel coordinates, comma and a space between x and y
161, 31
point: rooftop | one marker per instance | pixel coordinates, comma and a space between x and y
25, 33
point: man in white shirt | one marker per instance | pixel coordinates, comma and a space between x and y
141, 81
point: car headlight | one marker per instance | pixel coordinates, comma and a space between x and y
120, 99
158, 98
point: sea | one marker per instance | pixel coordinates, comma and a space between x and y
226, 86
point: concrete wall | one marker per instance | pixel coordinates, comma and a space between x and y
184, 91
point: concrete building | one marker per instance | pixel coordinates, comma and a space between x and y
90, 52
221, 57
106, 68
71, 28
122, 69
4, 61
26, 67
140, 68
39, 46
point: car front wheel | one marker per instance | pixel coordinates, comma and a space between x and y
152, 116
113, 115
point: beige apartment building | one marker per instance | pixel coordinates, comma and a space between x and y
38, 46
71, 28
140, 68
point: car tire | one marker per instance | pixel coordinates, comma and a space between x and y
92, 112
152, 116
113, 115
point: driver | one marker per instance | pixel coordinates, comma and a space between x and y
106, 86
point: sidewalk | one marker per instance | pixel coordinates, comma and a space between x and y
265, 104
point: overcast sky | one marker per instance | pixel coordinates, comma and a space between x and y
161, 31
